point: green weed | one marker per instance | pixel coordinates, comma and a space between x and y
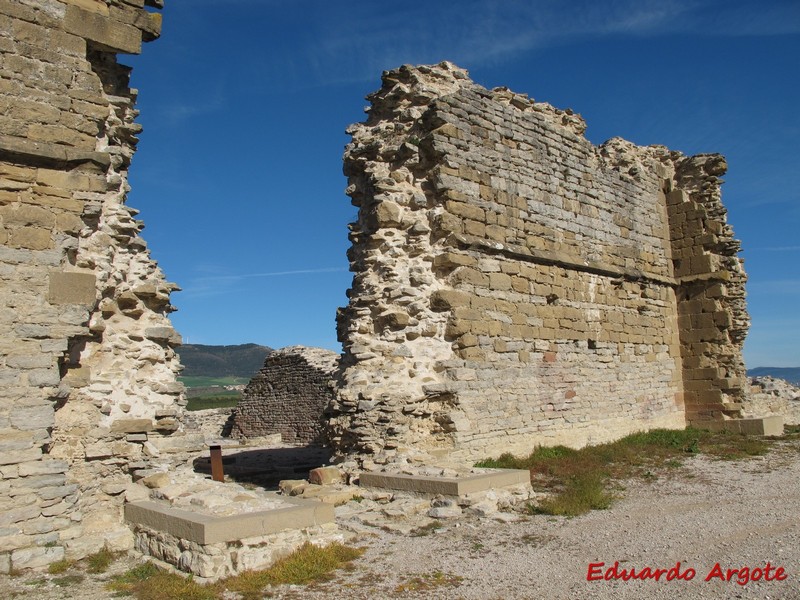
579, 479
60, 566
308, 564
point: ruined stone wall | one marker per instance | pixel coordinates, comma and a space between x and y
513, 284
287, 396
88, 365
772, 396
712, 309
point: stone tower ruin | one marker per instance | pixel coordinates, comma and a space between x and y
515, 285
288, 396
88, 362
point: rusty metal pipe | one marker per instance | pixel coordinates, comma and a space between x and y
217, 472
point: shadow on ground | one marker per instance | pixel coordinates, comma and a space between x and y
267, 466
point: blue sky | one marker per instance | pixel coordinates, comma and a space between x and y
244, 105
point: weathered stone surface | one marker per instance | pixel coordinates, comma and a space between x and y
76, 365
72, 288
325, 475
772, 396
516, 286
156, 480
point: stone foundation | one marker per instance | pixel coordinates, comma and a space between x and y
214, 529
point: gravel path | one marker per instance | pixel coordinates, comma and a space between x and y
734, 513
737, 514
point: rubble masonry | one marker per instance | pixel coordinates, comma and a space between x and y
88, 383
515, 285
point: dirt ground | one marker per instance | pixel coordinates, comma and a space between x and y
698, 520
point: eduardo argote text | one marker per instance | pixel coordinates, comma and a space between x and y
598, 571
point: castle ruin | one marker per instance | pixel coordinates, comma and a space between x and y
515, 285
88, 362
288, 395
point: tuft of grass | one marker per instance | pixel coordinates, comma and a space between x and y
100, 561
581, 494
307, 564
68, 580
428, 581
579, 479
428, 529
148, 582
59, 567
128, 580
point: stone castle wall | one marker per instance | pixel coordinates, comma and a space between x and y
515, 285
88, 362
287, 396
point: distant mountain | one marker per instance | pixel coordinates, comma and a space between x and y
790, 374
242, 360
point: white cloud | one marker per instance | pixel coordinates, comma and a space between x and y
354, 45
216, 285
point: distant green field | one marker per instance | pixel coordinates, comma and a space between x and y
212, 393
192, 381
205, 402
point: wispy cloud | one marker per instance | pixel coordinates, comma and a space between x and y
781, 287
180, 111
376, 36
245, 276
216, 285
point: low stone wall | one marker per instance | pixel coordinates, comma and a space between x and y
214, 529
210, 562
211, 422
287, 396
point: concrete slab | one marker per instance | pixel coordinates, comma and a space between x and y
209, 529
446, 486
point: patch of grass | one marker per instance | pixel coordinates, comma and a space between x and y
428, 581
580, 494
148, 582
579, 479
60, 566
68, 580
534, 539
128, 580
426, 529
217, 401
306, 565
100, 561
